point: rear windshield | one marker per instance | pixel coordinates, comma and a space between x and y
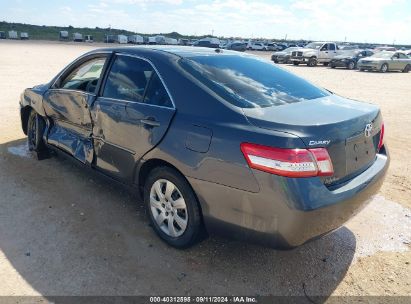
250, 82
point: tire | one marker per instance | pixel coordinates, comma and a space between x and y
407, 68
312, 62
325, 64
168, 196
361, 70
351, 65
296, 63
35, 130
332, 66
384, 68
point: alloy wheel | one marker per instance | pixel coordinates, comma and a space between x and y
168, 208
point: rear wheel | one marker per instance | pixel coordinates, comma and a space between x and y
172, 207
35, 130
296, 63
332, 66
351, 65
325, 63
407, 68
384, 68
312, 62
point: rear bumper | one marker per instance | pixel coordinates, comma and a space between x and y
287, 212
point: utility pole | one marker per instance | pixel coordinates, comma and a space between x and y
212, 33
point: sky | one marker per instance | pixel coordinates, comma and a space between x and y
379, 21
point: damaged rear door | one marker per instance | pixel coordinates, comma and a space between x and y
68, 104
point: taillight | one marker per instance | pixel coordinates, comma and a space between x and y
381, 142
288, 162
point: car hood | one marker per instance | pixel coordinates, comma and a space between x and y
343, 57
373, 59
280, 53
331, 118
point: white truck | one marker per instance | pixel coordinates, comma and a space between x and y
135, 39
122, 39
314, 53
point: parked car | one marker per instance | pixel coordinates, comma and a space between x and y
236, 46
271, 47
348, 59
2, 35
407, 52
315, 52
283, 56
257, 46
281, 46
385, 48
385, 61
283, 162
208, 42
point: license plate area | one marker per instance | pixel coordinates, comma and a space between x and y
359, 151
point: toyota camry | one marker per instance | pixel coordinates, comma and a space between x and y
213, 140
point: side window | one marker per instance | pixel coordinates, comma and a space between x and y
402, 56
85, 77
331, 46
156, 93
324, 48
128, 79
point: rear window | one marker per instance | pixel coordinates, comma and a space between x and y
250, 82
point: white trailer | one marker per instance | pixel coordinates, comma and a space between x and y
160, 39
13, 35
152, 40
136, 39
63, 35
77, 37
171, 41
122, 39
24, 36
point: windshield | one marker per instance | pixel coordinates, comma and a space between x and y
385, 55
314, 45
250, 82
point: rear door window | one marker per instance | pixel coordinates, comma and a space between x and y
331, 46
128, 79
156, 93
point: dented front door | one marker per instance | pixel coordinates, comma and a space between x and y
71, 129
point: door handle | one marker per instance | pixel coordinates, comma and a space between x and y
150, 121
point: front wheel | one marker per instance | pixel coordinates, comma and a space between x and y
384, 68
172, 207
35, 130
296, 63
351, 65
312, 62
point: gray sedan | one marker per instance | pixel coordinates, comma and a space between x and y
385, 61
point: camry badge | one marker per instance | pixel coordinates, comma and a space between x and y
368, 130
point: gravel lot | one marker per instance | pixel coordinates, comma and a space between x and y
67, 231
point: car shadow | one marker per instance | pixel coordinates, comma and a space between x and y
67, 231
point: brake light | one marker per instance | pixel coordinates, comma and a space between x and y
381, 142
288, 162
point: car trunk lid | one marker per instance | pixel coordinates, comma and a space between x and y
333, 122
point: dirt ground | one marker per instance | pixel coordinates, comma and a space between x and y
67, 231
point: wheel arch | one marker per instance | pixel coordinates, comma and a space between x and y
24, 114
146, 166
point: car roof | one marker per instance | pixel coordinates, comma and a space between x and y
180, 51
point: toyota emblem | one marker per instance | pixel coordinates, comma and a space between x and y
368, 130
